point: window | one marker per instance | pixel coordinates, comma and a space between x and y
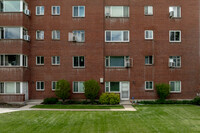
112, 87
39, 85
54, 85
175, 11
78, 61
55, 10
40, 60
13, 60
148, 60
117, 36
79, 35
11, 6
148, 85
116, 61
39, 10
40, 35
175, 60
78, 11
56, 35
55, 60
175, 36
148, 10
78, 87
10, 87
12, 32
148, 34
117, 11
175, 86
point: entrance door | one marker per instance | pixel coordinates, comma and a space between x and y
125, 90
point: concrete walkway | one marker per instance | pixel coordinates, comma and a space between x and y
28, 107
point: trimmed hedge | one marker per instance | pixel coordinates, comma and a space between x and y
51, 100
109, 98
166, 102
196, 100
92, 88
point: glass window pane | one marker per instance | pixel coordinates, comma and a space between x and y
10, 88
177, 36
117, 61
116, 36
12, 33
126, 37
172, 36
81, 87
1, 87
114, 86
75, 61
117, 11
126, 11
75, 11
81, 11
11, 6
81, 61
42, 85
75, 86
172, 86
18, 87
108, 35
42, 60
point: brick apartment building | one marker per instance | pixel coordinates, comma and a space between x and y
126, 45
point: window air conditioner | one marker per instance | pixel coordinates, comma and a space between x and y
107, 15
27, 12
26, 37
127, 63
171, 14
171, 63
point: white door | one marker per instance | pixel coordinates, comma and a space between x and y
125, 90
25, 90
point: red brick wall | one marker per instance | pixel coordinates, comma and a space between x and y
12, 98
95, 49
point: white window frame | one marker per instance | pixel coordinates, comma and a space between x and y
78, 12
56, 59
78, 62
78, 86
174, 35
148, 8
23, 60
122, 35
40, 86
56, 34
56, 7
21, 87
149, 88
176, 61
40, 33
41, 14
110, 11
40, 61
52, 85
149, 59
149, 32
176, 12
82, 32
109, 87
107, 58
175, 83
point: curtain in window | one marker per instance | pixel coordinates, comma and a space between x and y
10, 88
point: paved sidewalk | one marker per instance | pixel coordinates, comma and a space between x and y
28, 107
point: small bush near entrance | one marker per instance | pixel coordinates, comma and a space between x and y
196, 101
163, 91
51, 100
62, 90
109, 98
92, 88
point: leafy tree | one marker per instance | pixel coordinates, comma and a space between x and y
92, 88
163, 91
62, 90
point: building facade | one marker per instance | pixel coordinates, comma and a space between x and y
126, 45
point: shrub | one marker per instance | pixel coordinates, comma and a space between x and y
51, 100
196, 100
62, 89
162, 91
166, 102
91, 89
109, 98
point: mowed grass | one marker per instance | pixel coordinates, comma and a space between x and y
78, 106
147, 119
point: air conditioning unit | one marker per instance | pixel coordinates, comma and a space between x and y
26, 37
71, 37
127, 63
107, 15
171, 63
27, 12
171, 14
74, 38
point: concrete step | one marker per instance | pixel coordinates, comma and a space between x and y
127, 102
34, 102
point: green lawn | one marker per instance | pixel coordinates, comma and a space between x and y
78, 106
147, 119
